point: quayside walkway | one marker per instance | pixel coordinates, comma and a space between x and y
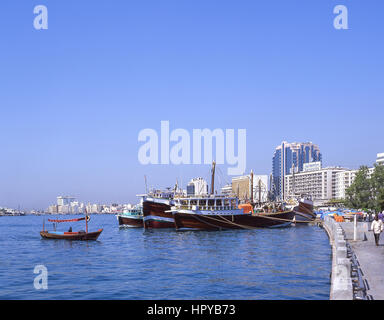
371, 259
357, 263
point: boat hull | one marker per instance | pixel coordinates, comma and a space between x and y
71, 235
133, 222
304, 212
186, 221
155, 215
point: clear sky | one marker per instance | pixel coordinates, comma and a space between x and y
73, 98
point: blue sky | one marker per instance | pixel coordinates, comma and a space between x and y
73, 98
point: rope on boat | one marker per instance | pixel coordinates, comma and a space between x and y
212, 225
303, 215
281, 219
236, 224
276, 219
243, 226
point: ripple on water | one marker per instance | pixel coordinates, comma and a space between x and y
292, 263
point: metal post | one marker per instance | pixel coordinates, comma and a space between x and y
355, 228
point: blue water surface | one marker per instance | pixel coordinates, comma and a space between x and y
289, 263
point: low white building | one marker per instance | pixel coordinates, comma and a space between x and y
227, 190
197, 187
380, 158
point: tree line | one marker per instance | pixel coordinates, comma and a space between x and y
367, 190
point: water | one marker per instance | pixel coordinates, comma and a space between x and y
290, 263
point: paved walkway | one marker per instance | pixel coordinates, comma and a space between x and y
371, 259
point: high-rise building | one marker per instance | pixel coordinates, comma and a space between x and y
289, 158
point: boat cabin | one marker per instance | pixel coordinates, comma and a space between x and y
216, 203
135, 211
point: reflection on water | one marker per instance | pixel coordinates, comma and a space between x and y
290, 263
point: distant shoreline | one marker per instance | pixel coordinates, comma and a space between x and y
52, 214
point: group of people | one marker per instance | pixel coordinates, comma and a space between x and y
377, 226
368, 217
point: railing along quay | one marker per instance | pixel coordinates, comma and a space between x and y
347, 278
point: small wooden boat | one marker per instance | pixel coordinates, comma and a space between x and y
69, 235
81, 235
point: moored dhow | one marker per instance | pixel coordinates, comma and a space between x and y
131, 217
221, 213
304, 211
156, 205
215, 212
302, 206
205, 213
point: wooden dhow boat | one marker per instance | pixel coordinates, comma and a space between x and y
221, 213
215, 212
69, 235
301, 204
132, 217
156, 205
304, 210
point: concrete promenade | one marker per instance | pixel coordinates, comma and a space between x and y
371, 259
357, 265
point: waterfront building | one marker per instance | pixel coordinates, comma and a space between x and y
241, 187
227, 190
197, 187
64, 209
380, 158
323, 185
93, 208
343, 180
65, 200
289, 158
53, 209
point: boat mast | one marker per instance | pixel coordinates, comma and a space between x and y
259, 190
213, 177
86, 220
251, 187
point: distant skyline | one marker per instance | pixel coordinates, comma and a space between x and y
74, 97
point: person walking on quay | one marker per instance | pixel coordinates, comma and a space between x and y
377, 227
381, 216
